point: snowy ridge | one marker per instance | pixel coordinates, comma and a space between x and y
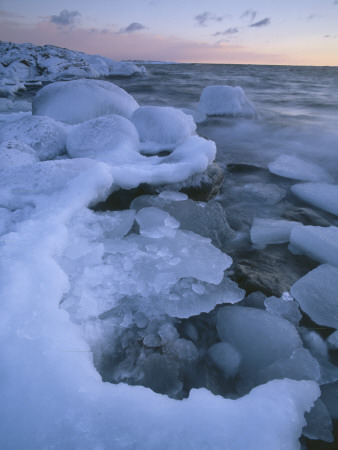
27, 63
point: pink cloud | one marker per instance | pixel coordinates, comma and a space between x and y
129, 46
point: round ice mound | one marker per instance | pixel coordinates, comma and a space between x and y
15, 153
112, 139
162, 127
79, 100
43, 134
225, 101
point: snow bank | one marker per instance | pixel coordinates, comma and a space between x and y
24, 63
80, 100
225, 101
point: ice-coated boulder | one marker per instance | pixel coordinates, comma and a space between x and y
112, 139
80, 100
225, 100
259, 337
162, 127
270, 231
321, 195
290, 166
316, 293
16, 153
318, 243
46, 136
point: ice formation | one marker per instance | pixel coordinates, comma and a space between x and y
316, 293
225, 101
270, 231
162, 127
318, 243
80, 100
321, 195
16, 153
290, 166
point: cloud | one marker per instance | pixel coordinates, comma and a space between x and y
249, 14
335, 2
135, 26
8, 14
227, 32
65, 18
313, 16
204, 18
261, 23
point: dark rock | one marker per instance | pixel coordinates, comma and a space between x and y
306, 216
205, 187
121, 199
271, 271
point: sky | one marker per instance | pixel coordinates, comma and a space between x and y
298, 32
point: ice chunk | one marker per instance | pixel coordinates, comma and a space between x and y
225, 101
156, 223
290, 166
318, 243
260, 338
287, 309
162, 127
112, 139
80, 100
269, 193
332, 340
316, 293
319, 423
16, 153
225, 357
270, 231
330, 398
182, 350
321, 195
43, 134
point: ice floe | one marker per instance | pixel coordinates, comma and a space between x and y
290, 166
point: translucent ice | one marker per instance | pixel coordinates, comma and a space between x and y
316, 293
225, 357
46, 136
162, 127
287, 309
318, 243
321, 195
290, 166
80, 100
225, 101
270, 231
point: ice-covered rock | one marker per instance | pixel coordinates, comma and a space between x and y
80, 100
270, 231
112, 139
318, 243
162, 127
290, 166
225, 101
260, 338
16, 153
46, 136
316, 293
321, 195
225, 357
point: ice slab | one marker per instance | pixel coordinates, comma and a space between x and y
46, 136
290, 166
259, 337
80, 100
316, 293
321, 195
318, 243
225, 100
112, 139
270, 231
162, 127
